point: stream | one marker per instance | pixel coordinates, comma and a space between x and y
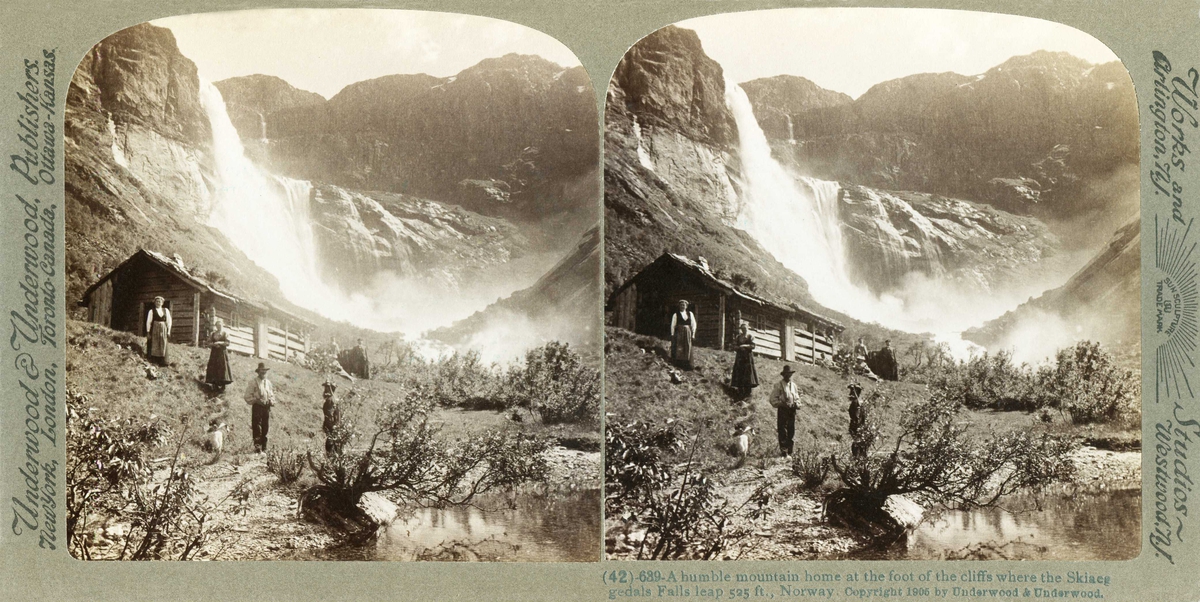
1070, 525
554, 527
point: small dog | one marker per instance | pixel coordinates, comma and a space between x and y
216, 439
741, 443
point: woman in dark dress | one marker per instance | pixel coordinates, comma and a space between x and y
745, 377
218, 373
158, 332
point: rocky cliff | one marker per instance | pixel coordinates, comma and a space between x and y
776, 99
252, 98
891, 234
1032, 135
138, 164
141, 172
359, 234
512, 136
670, 166
674, 179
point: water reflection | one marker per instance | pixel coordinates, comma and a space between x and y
556, 527
1071, 525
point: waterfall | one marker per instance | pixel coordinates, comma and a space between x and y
265, 216
642, 154
795, 219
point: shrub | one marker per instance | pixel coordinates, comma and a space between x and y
287, 464
405, 455
1087, 384
987, 381
109, 478
555, 383
936, 456
683, 515
463, 380
811, 467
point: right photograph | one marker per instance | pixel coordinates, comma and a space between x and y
872, 288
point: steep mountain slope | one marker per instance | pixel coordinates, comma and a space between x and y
252, 98
562, 305
138, 164
776, 99
1030, 135
516, 137
360, 234
1100, 302
674, 180
142, 172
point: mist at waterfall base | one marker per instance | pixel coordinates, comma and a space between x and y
267, 218
796, 219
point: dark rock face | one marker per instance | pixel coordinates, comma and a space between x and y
143, 80
1101, 300
776, 99
668, 81
140, 174
1027, 136
359, 234
670, 151
517, 119
251, 99
137, 163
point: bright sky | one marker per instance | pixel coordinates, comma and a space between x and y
323, 50
851, 49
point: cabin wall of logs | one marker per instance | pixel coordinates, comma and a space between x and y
122, 299
645, 305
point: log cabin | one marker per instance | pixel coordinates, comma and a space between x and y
122, 298
787, 331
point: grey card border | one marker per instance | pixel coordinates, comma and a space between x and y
599, 32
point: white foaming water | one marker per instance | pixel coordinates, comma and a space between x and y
796, 219
642, 154
266, 216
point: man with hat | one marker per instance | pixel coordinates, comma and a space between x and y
261, 396
785, 398
333, 416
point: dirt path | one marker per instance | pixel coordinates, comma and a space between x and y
266, 525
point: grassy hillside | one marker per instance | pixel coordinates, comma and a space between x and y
109, 367
638, 387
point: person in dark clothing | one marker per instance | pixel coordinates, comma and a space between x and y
683, 331
158, 332
361, 364
333, 418
858, 421
260, 395
745, 377
218, 373
888, 369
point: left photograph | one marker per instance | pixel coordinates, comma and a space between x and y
333, 280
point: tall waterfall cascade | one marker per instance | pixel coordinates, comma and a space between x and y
797, 220
265, 216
